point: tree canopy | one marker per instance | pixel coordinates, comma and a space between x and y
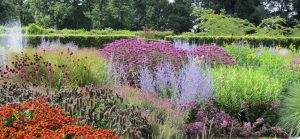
135, 14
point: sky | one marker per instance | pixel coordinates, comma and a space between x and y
171, 1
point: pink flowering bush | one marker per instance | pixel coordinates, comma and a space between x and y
128, 56
210, 121
137, 53
213, 54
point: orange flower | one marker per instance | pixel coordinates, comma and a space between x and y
37, 119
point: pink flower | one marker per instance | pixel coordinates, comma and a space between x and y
247, 125
260, 121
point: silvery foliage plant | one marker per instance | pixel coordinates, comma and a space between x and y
192, 82
116, 72
196, 83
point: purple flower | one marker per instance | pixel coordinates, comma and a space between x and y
244, 105
260, 121
224, 124
247, 125
201, 114
213, 54
275, 105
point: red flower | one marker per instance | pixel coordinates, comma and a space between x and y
37, 119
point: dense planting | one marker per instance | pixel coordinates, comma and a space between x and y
55, 67
210, 121
239, 89
134, 88
100, 108
37, 119
213, 54
149, 69
136, 53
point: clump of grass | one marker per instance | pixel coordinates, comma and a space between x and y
290, 111
165, 119
56, 67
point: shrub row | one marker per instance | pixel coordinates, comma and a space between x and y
253, 41
81, 40
100, 40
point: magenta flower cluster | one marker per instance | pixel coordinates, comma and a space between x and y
212, 120
213, 54
138, 53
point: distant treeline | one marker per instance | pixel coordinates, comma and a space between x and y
136, 14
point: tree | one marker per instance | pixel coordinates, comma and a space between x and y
49, 13
252, 10
273, 26
134, 14
210, 23
296, 5
282, 8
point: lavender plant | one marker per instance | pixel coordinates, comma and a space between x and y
146, 80
191, 83
195, 83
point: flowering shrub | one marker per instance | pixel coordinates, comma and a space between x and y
137, 53
212, 122
213, 54
37, 119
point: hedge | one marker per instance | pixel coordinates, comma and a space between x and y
253, 41
81, 40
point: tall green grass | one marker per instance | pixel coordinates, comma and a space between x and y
69, 67
237, 86
290, 111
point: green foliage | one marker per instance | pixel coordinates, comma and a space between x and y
84, 41
276, 66
162, 34
296, 31
71, 31
290, 111
267, 60
252, 10
251, 40
49, 13
221, 24
243, 55
273, 26
35, 29
235, 85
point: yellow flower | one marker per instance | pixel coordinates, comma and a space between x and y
278, 47
250, 56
